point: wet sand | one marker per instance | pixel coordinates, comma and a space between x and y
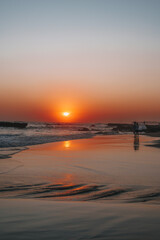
154, 134
35, 219
117, 167
105, 187
156, 143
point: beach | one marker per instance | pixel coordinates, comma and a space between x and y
105, 187
35, 219
79, 120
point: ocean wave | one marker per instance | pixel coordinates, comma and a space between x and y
23, 140
38, 133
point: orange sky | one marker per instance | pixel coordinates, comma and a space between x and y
98, 62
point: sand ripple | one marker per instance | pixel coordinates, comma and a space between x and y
81, 192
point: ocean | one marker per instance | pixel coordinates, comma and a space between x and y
37, 133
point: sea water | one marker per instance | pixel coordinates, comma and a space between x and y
36, 133
101, 168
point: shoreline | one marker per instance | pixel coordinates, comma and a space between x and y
12, 150
24, 141
16, 148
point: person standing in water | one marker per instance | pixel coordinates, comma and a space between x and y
136, 135
135, 127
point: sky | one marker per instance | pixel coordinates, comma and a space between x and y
96, 59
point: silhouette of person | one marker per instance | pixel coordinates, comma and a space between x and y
135, 127
136, 142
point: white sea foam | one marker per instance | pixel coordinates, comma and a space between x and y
38, 133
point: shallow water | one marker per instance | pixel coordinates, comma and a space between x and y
38, 133
117, 168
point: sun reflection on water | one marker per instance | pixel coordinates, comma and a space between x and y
67, 144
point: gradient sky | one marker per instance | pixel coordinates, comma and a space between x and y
98, 59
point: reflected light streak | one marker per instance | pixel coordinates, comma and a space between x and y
67, 144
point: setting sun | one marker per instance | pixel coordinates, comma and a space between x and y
66, 114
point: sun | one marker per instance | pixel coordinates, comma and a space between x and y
65, 114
